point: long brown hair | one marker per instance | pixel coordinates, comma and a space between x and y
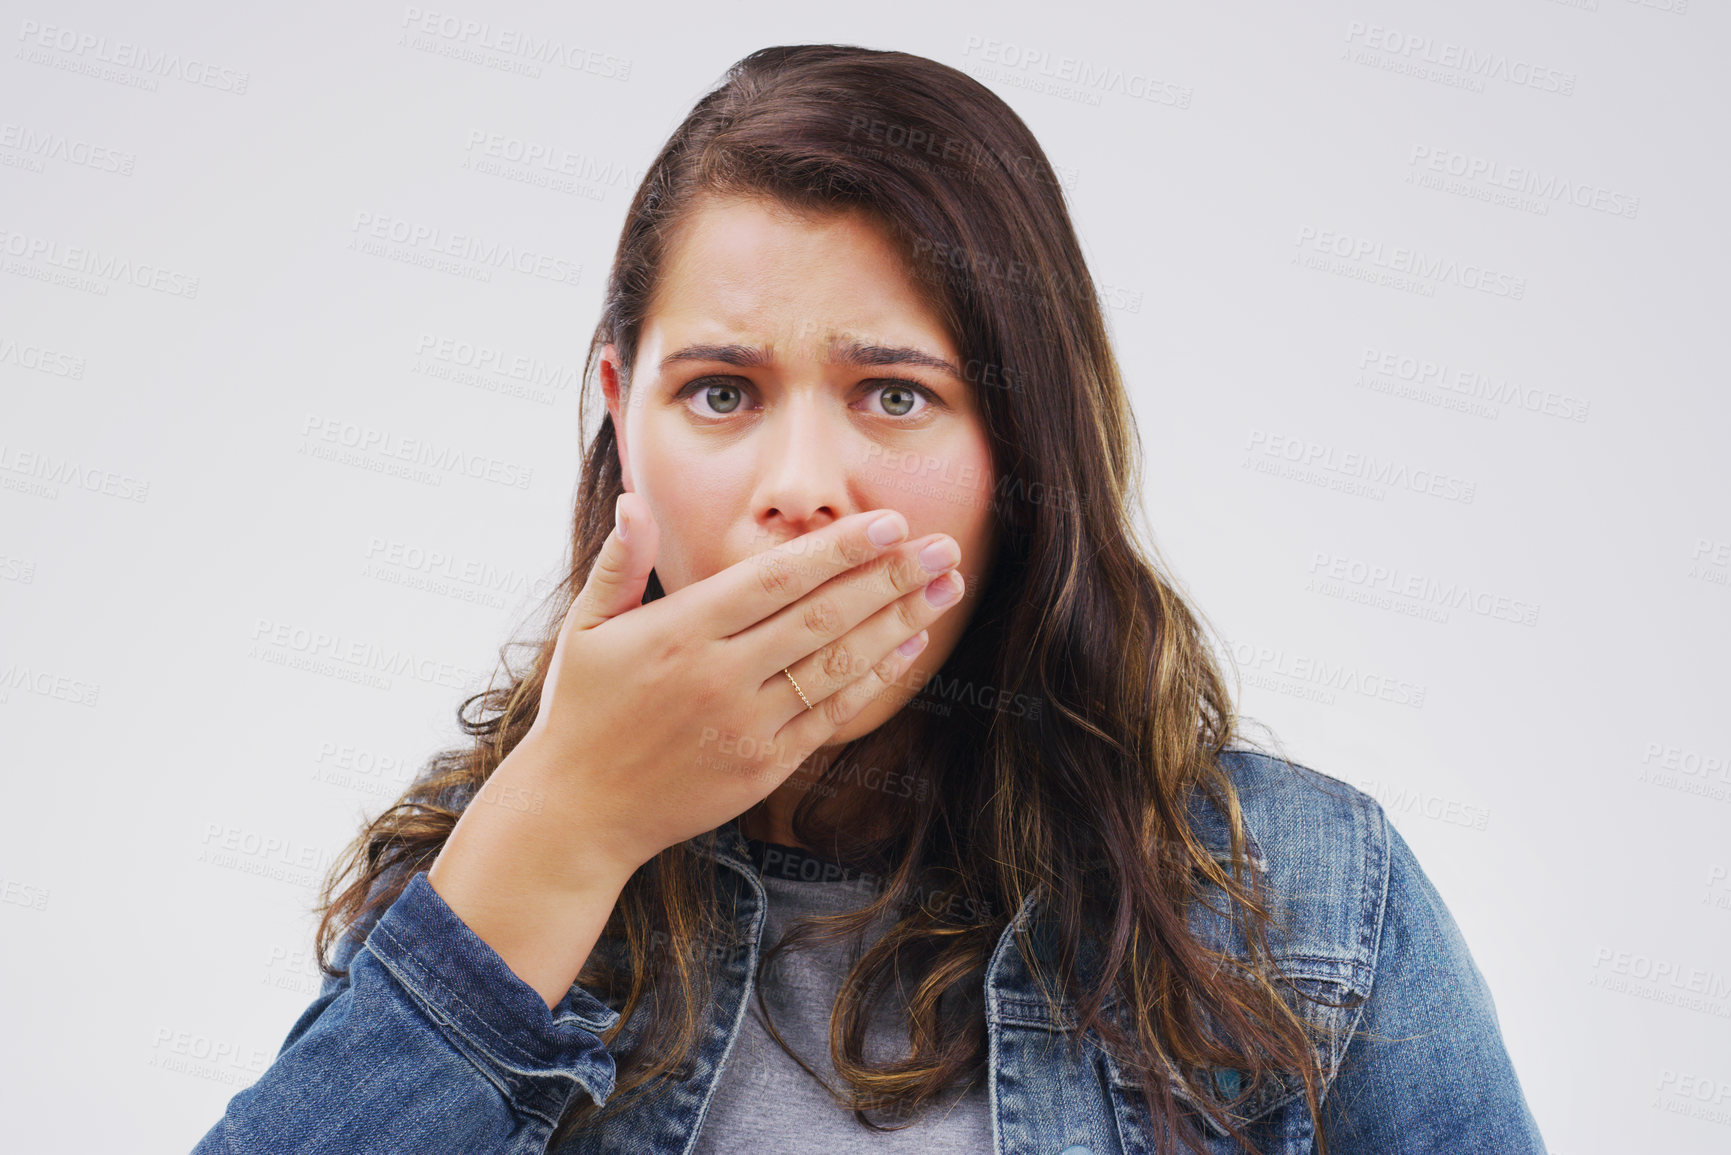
1059, 746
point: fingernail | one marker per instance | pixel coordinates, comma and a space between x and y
914, 644
940, 555
619, 519
891, 527
942, 591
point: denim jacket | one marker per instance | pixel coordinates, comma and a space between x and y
432, 1045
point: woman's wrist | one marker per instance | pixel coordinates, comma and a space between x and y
525, 875
552, 836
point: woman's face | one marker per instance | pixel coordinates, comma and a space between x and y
774, 394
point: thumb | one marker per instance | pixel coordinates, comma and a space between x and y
621, 571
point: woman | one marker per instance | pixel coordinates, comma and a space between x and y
777, 839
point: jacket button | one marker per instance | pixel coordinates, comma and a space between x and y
1075, 1149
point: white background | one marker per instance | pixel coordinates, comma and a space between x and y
1563, 780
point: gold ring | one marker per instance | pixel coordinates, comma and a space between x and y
797, 690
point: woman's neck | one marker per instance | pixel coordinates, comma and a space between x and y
771, 820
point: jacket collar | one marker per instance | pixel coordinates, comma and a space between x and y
729, 844
1011, 991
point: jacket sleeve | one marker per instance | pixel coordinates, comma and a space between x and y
430, 1044
1429, 1075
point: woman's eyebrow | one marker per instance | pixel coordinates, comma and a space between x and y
749, 356
857, 353
840, 353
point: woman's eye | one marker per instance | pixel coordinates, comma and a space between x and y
723, 397
898, 397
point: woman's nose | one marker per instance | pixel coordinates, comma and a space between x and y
805, 454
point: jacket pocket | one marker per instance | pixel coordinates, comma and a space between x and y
1327, 1001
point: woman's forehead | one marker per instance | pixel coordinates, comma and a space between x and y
739, 258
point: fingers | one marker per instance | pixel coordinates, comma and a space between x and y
810, 729
749, 591
812, 627
867, 653
621, 571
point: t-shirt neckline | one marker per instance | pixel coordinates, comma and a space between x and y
775, 860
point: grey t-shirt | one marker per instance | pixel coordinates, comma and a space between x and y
764, 1101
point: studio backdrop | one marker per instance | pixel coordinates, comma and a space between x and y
1422, 310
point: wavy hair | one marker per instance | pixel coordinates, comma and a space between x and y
1058, 749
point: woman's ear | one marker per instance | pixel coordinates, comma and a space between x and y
613, 392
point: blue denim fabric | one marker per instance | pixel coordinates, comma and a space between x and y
432, 1045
